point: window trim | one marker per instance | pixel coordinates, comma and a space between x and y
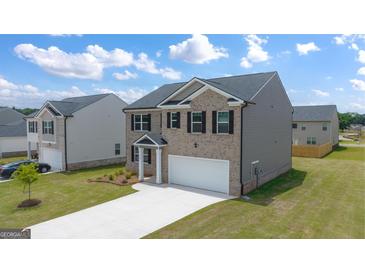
324, 125
145, 154
303, 128
115, 149
48, 127
312, 140
296, 125
226, 111
32, 127
173, 120
201, 122
141, 122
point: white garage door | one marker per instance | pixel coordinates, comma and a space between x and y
51, 156
210, 174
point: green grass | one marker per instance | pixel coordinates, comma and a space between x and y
61, 194
318, 198
4, 161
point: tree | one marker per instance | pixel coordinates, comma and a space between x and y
27, 174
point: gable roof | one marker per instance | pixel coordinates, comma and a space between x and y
9, 115
68, 106
314, 113
151, 139
240, 86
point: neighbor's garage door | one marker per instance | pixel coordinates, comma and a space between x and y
210, 174
51, 156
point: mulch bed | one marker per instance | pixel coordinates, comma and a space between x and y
119, 180
29, 203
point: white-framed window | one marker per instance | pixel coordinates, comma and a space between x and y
196, 122
145, 155
141, 122
32, 126
117, 149
324, 126
222, 122
311, 141
47, 127
173, 120
294, 125
303, 128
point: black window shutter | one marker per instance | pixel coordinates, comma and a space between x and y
43, 127
149, 155
36, 127
214, 121
132, 122
178, 120
231, 121
204, 127
149, 121
168, 120
132, 152
189, 121
52, 128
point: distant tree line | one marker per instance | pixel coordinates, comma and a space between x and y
348, 118
26, 111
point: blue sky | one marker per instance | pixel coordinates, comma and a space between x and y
315, 69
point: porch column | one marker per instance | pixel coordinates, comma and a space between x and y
158, 165
29, 151
140, 164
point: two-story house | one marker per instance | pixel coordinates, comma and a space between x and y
228, 134
79, 132
315, 130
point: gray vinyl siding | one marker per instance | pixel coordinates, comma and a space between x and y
335, 125
266, 132
312, 129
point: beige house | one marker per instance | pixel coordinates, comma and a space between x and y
315, 130
226, 134
79, 132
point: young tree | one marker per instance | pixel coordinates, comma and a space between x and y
26, 174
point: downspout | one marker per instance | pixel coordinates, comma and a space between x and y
65, 144
241, 144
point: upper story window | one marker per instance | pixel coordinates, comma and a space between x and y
48, 127
295, 125
117, 149
141, 122
196, 122
311, 141
33, 126
222, 122
174, 119
324, 127
303, 127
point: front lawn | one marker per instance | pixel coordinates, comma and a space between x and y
61, 194
318, 198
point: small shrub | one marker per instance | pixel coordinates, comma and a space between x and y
128, 175
111, 177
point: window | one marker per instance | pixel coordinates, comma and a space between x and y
311, 140
324, 127
174, 119
146, 152
196, 122
141, 122
303, 128
117, 149
47, 127
222, 122
32, 126
295, 125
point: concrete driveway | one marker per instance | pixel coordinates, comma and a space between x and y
129, 217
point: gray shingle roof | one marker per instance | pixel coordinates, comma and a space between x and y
241, 86
12, 123
70, 105
314, 113
9, 115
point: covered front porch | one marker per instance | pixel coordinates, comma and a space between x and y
155, 142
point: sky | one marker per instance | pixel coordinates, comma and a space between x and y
315, 69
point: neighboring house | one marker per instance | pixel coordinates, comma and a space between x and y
225, 134
315, 130
13, 133
79, 132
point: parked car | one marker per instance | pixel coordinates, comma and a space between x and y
7, 170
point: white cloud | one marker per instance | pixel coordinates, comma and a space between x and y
129, 96
348, 39
361, 57
114, 58
321, 93
354, 46
361, 71
4, 84
358, 84
125, 75
158, 53
144, 63
358, 106
304, 49
255, 53
197, 50
339, 89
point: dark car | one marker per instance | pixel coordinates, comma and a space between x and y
7, 170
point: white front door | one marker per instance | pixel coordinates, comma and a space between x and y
51, 156
209, 174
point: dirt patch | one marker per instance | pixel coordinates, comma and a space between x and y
29, 203
119, 180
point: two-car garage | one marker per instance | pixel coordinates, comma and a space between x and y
203, 173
